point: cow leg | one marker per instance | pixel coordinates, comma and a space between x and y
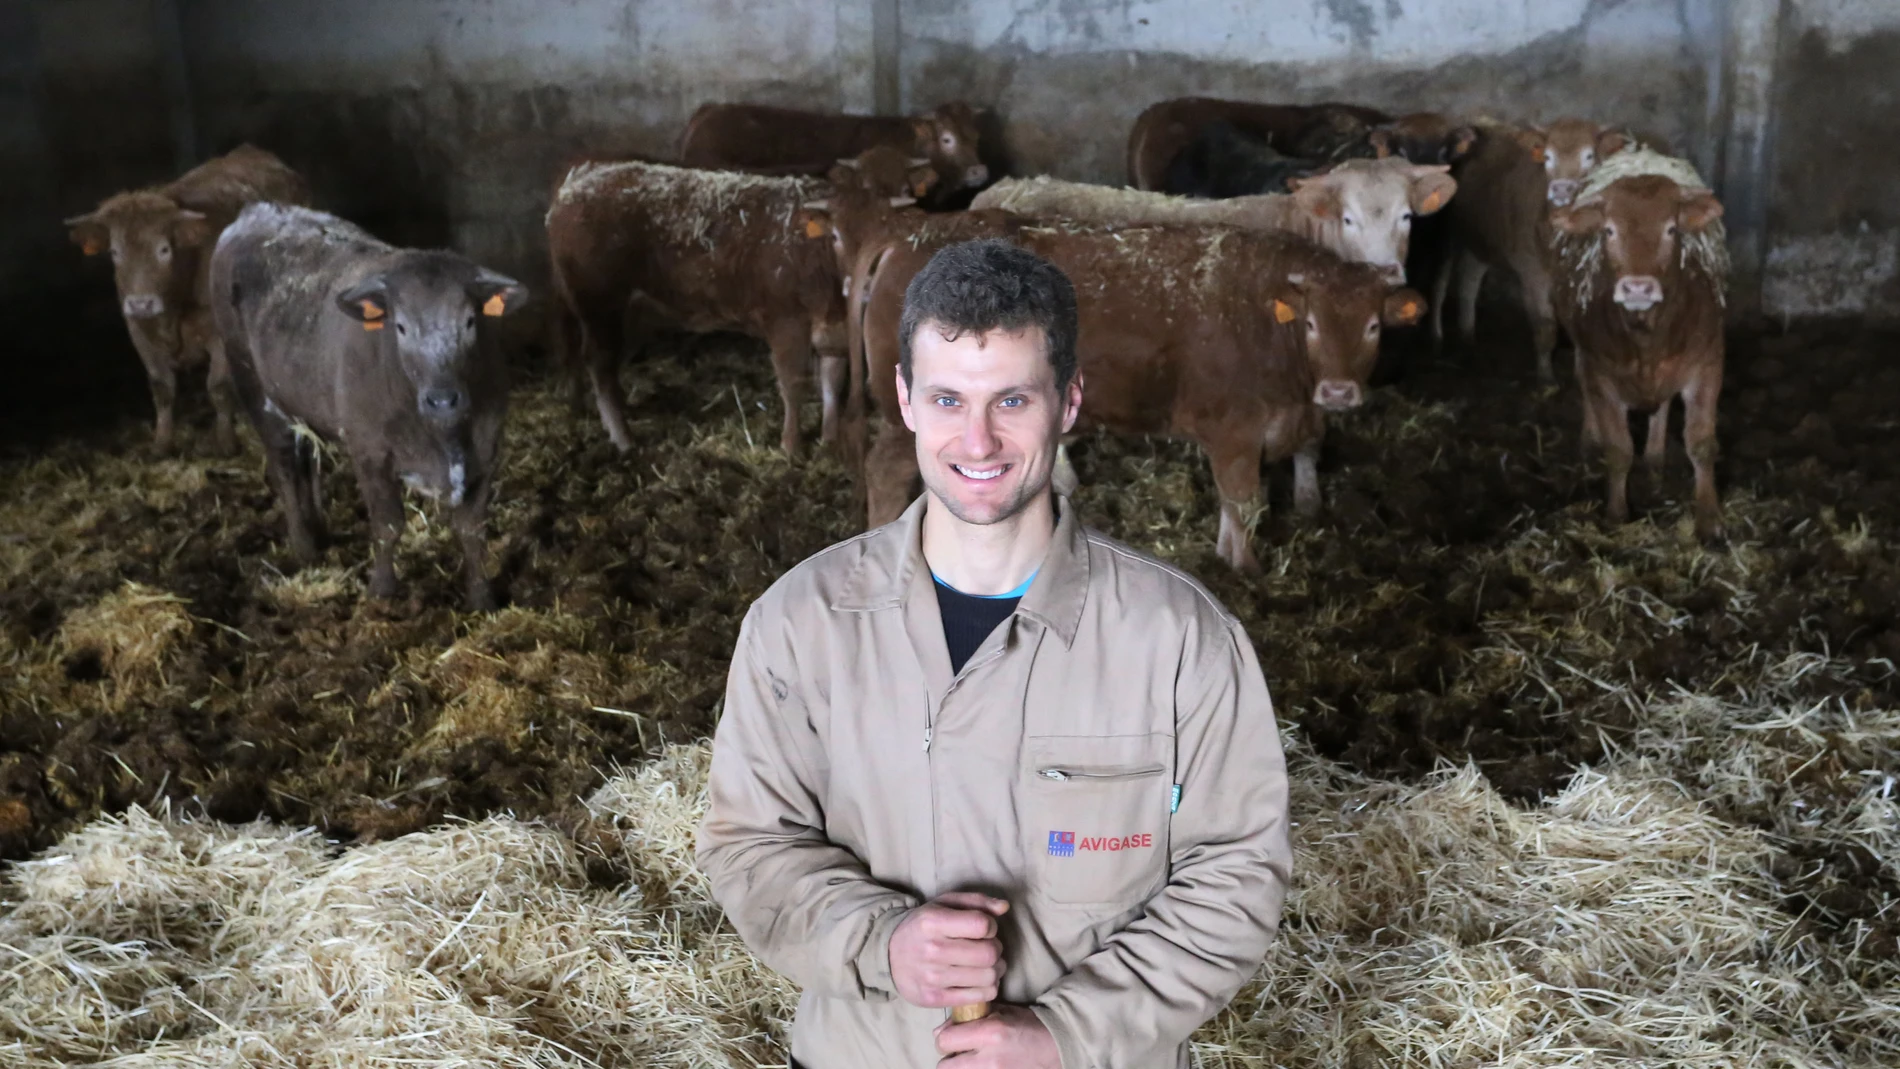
223, 394
1619, 452
290, 473
1441, 287
1471, 272
791, 363
470, 522
1306, 499
164, 386
601, 338
382, 497
1237, 477
1698, 434
1591, 438
1543, 320
890, 472
1656, 449
831, 385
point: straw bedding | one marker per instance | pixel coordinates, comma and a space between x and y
1566, 794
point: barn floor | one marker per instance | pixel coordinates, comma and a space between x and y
1459, 603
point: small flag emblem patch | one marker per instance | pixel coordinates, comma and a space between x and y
1061, 844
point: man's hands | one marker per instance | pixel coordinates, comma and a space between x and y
1011, 1037
945, 952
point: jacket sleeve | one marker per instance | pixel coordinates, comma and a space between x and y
1201, 937
805, 906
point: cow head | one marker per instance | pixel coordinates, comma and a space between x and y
1424, 137
428, 313
948, 135
1643, 222
1569, 150
1342, 312
864, 192
1365, 208
155, 245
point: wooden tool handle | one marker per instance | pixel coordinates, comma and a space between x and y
975, 1011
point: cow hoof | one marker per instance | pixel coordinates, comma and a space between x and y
1306, 508
1710, 531
482, 600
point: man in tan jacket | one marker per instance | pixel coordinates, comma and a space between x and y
984, 753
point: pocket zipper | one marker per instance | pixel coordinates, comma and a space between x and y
1061, 774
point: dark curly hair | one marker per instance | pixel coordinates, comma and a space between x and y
974, 287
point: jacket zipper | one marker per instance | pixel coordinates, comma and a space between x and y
1062, 774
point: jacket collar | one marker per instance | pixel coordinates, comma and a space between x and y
892, 571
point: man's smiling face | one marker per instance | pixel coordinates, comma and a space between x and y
988, 417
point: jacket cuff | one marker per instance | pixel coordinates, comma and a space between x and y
1068, 1044
874, 961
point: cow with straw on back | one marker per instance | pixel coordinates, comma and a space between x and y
1639, 266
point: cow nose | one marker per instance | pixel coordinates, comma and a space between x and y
976, 175
442, 401
1563, 190
144, 306
1337, 395
1638, 292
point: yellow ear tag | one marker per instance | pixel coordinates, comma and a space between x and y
91, 247
494, 306
1283, 312
371, 310
372, 324
814, 229
1408, 309
1430, 205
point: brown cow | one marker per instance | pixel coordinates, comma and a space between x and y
638, 248
1510, 180
1362, 209
161, 240
1164, 129
788, 141
1640, 262
1424, 137
1238, 341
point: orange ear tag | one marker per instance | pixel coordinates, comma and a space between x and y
1283, 312
1430, 205
494, 306
1409, 309
371, 310
814, 228
372, 324
91, 247
919, 188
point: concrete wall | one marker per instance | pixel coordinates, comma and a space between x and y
1834, 220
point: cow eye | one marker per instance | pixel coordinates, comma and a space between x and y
402, 330
164, 250
1669, 231
1312, 325
1610, 229
1349, 221
471, 322
1372, 329
1589, 157
1550, 157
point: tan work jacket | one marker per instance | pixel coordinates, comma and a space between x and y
854, 777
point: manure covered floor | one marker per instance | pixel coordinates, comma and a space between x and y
1459, 604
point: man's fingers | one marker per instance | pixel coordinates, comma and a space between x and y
953, 1038
947, 923
971, 953
973, 900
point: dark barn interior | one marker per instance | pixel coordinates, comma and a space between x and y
1567, 789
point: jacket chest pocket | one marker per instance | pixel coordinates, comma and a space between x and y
1098, 817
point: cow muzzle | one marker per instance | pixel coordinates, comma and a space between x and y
1639, 293
1563, 191
143, 306
976, 175
441, 402
1338, 395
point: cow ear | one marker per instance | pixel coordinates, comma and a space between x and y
192, 230
91, 235
367, 302
1577, 219
813, 218
1460, 143
1290, 303
1432, 188
496, 294
924, 130
1403, 308
1611, 142
1381, 141
1534, 141
1699, 209
1316, 198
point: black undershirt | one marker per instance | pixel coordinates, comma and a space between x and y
968, 620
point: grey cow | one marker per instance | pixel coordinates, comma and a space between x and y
382, 351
